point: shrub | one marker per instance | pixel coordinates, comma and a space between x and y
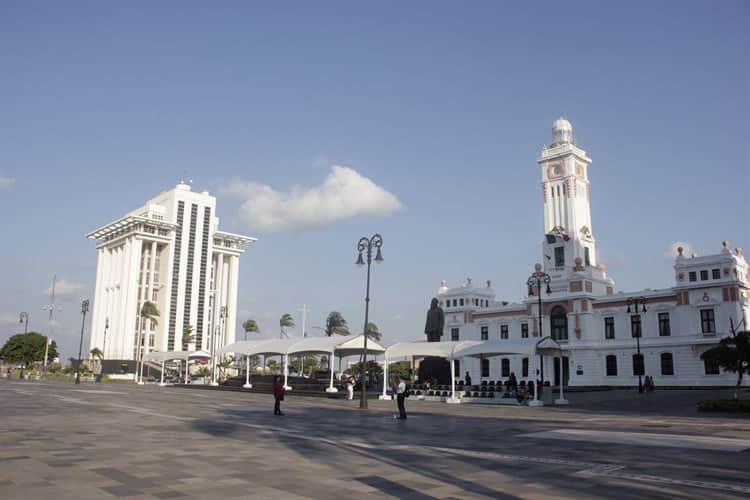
54, 368
724, 405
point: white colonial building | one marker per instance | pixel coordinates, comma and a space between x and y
170, 252
602, 330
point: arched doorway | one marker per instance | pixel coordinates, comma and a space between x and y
559, 323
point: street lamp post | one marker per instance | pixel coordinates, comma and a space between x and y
24, 319
104, 346
84, 310
366, 245
636, 332
536, 279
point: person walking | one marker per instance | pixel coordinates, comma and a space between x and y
467, 379
278, 395
350, 388
401, 397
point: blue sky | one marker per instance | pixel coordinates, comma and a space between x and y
443, 105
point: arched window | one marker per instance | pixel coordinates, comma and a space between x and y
505, 367
667, 363
559, 323
485, 367
611, 365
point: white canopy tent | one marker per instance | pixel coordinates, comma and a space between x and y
308, 345
473, 348
499, 347
446, 350
184, 356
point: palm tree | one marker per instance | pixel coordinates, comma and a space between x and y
188, 337
96, 353
336, 324
250, 326
150, 312
373, 333
288, 321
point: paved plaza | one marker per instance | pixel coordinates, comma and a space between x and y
59, 440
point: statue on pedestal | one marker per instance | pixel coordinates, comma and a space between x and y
435, 322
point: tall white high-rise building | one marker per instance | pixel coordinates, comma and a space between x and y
170, 252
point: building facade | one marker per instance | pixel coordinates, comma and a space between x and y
169, 252
610, 337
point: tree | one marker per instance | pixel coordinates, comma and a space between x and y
150, 312
733, 355
224, 363
250, 326
26, 348
96, 353
272, 365
188, 337
373, 333
286, 320
336, 324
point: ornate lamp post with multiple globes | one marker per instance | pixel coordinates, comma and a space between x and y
366, 245
636, 330
535, 280
84, 310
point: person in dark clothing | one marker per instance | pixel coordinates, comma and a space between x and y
512, 382
467, 379
400, 386
278, 395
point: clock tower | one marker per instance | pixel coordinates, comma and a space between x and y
567, 212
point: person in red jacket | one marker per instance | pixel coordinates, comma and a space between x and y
278, 395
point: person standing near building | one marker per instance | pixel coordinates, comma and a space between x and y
278, 395
467, 379
401, 397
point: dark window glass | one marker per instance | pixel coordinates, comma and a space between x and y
611, 365
715, 274
586, 256
559, 323
505, 367
524, 330
447, 304
559, 257
485, 367
664, 328
525, 367
693, 276
503, 331
485, 332
457, 368
708, 324
635, 325
711, 366
638, 364
461, 301
609, 328
454, 333
704, 275
455, 303
667, 365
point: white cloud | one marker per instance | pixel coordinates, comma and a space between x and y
671, 252
6, 181
65, 289
344, 194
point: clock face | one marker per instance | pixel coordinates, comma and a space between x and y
554, 171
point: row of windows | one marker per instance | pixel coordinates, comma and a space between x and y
462, 302
667, 365
708, 324
715, 275
485, 332
504, 367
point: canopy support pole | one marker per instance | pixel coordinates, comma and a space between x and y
186, 369
247, 385
453, 398
385, 395
562, 400
536, 401
331, 366
162, 372
286, 373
